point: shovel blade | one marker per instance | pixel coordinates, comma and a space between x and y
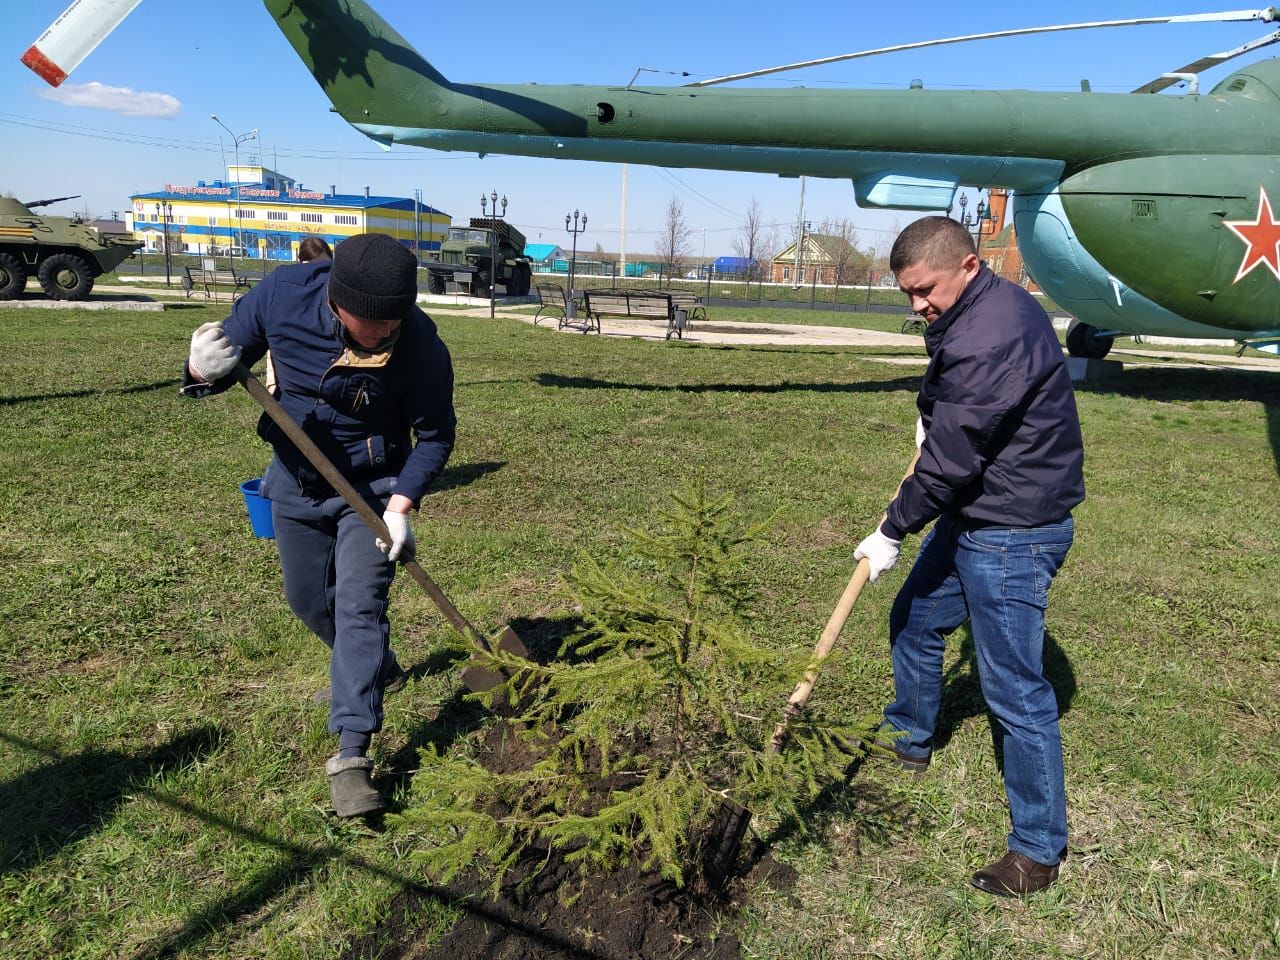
509, 642
724, 842
479, 678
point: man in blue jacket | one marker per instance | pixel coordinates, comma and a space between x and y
999, 465
365, 374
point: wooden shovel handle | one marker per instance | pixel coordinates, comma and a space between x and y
800, 696
357, 503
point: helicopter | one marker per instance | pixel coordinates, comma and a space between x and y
1137, 214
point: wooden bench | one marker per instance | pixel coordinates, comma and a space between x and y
551, 296
647, 305
210, 281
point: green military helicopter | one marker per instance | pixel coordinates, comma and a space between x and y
1139, 214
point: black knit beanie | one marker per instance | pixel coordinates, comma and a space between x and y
373, 277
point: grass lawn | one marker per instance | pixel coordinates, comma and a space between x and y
160, 759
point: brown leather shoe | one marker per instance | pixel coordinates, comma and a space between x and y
1014, 875
888, 749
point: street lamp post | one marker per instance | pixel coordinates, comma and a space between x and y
237, 139
493, 243
164, 211
974, 225
573, 258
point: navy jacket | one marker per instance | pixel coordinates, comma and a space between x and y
359, 407
1002, 438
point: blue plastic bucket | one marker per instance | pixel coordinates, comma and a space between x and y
259, 509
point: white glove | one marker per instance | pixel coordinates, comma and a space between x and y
919, 432
401, 536
213, 355
880, 551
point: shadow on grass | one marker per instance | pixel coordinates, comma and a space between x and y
74, 394
962, 692
462, 474
875, 814
866, 386
300, 861
61, 802
1219, 385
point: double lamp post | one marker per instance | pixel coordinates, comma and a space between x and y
493, 242
236, 140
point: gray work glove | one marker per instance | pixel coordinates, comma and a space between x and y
401, 536
880, 552
213, 355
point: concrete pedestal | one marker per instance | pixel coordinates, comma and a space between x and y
1082, 369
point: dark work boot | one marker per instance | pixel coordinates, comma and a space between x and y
1015, 875
350, 790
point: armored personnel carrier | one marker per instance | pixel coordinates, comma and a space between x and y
469, 250
64, 253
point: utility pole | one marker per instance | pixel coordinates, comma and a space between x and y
622, 253
417, 224
795, 282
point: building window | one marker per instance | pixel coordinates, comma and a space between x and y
246, 214
786, 273
346, 219
213, 221
312, 218
277, 215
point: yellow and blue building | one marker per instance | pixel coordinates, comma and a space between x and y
259, 213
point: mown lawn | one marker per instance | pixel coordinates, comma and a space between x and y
160, 758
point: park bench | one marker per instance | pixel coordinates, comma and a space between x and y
211, 281
690, 303
646, 305
551, 296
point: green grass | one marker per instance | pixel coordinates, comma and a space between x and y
160, 760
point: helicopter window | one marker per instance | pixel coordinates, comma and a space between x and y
604, 112
1237, 85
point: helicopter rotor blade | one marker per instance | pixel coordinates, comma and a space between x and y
1207, 63
1266, 15
73, 36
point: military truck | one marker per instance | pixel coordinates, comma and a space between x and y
64, 253
468, 250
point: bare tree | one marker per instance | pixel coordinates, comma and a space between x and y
846, 259
748, 243
673, 242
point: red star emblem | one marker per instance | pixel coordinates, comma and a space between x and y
1261, 235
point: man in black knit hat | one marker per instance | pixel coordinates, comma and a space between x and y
365, 374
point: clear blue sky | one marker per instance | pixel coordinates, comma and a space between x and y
192, 59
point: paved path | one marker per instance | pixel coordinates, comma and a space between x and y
713, 331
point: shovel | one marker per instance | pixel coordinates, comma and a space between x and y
732, 819
475, 677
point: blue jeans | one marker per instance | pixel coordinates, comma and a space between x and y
998, 580
337, 581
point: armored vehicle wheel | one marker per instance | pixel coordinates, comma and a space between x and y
64, 276
13, 277
480, 284
1084, 340
435, 283
524, 280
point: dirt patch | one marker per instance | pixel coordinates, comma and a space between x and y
548, 910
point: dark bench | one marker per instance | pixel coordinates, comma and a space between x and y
690, 303
551, 296
644, 304
210, 281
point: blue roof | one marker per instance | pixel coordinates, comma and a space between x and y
539, 251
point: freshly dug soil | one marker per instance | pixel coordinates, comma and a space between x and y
547, 910
622, 916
